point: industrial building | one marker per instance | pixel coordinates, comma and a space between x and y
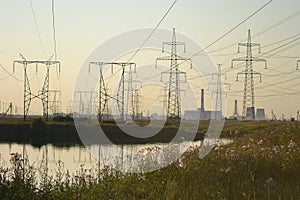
260, 114
201, 113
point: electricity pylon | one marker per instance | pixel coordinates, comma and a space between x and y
103, 96
298, 61
55, 103
102, 92
273, 116
249, 98
219, 93
87, 102
70, 108
131, 89
43, 95
9, 110
137, 105
173, 102
164, 98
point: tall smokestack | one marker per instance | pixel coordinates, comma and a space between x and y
202, 99
235, 108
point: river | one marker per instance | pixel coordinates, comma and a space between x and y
77, 157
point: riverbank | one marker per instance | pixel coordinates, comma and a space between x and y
263, 162
63, 133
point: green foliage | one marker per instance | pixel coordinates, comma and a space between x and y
67, 118
38, 124
263, 164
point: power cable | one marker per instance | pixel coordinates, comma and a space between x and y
54, 29
232, 29
37, 28
150, 35
152, 32
261, 32
10, 74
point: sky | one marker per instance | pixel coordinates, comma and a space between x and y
81, 26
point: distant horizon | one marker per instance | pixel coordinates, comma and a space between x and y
81, 27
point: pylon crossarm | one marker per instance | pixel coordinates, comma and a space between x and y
249, 44
173, 43
236, 60
253, 73
242, 59
256, 59
163, 58
240, 73
227, 84
167, 58
185, 59
100, 64
257, 73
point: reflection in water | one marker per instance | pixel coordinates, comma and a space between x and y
130, 158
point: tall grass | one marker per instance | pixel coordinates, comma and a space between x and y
262, 165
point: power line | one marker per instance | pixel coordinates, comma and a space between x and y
150, 35
10, 74
4, 78
232, 29
152, 32
283, 45
37, 29
54, 41
283, 40
14, 77
54, 29
279, 23
261, 32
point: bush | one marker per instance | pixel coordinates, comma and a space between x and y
67, 118
38, 124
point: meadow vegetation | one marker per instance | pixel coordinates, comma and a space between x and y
263, 162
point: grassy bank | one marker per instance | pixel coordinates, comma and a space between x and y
63, 133
261, 163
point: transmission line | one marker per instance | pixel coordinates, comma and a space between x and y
37, 28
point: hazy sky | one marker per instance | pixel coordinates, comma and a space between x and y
81, 26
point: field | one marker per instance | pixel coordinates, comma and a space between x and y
262, 162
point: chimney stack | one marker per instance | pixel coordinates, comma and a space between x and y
235, 108
202, 99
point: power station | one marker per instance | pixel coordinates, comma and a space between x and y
201, 113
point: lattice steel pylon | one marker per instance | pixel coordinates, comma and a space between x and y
102, 91
9, 110
137, 105
298, 61
44, 93
219, 94
55, 103
249, 98
87, 102
131, 92
173, 102
103, 95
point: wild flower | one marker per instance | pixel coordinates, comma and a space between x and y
270, 182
